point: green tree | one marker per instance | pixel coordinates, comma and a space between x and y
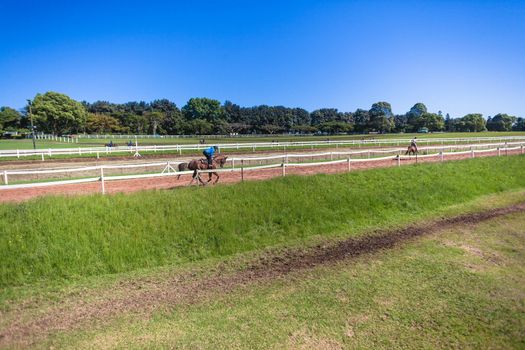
102, 124
520, 125
335, 127
501, 122
9, 118
203, 108
473, 122
155, 119
58, 114
431, 121
381, 117
199, 127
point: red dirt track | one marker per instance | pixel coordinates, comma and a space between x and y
21, 194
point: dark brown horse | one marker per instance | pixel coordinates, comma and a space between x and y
411, 150
202, 164
182, 167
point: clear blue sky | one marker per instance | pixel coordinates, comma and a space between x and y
455, 56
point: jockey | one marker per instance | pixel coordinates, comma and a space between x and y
413, 142
208, 153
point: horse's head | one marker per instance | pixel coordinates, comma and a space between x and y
221, 160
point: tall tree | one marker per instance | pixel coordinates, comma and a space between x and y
58, 113
501, 122
203, 108
381, 117
9, 118
102, 124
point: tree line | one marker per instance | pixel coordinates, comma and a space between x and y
59, 114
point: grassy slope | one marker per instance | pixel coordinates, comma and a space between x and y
462, 288
60, 238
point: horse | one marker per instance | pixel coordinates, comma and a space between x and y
110, 145
412, 149
202, 164
182, 167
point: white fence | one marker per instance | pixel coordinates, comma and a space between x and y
253, 146
242, 164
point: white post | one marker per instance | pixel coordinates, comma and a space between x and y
18, 153
499, 152
331, 156
102, 180
348, 161
233, 163
98, 157
441, 155
284, 168
79, 151
49, 152
398, 160
472, 154
521, 149
5, 178
42, 154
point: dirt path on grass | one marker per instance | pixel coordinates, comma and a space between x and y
31, 321
169, 182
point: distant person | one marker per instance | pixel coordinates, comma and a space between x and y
110, 144
130, 144
413, 143
208, 153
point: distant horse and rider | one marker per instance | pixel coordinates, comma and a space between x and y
211, 161
412, 149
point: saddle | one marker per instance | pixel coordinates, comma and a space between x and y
204, 161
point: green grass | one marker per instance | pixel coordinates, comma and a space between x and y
57, 238
461, 288
84, 142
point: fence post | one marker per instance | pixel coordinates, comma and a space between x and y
42, 154
5, 178
472, 154
441, 155
331, 156
18, 153
98, 157
103, 187
242, 170
499, 152
348, 161
398, 160
521, 149
284, 168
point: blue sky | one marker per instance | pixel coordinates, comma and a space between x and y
455, 56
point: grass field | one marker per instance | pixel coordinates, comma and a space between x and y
462, 288
83, 142
72, 258
117, 233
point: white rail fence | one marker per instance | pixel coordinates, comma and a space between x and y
168, 168
253, 146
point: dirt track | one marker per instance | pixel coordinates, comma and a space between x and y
142, 297
17, 195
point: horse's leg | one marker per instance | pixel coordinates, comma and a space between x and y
193, 177
209, 177
217, 179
